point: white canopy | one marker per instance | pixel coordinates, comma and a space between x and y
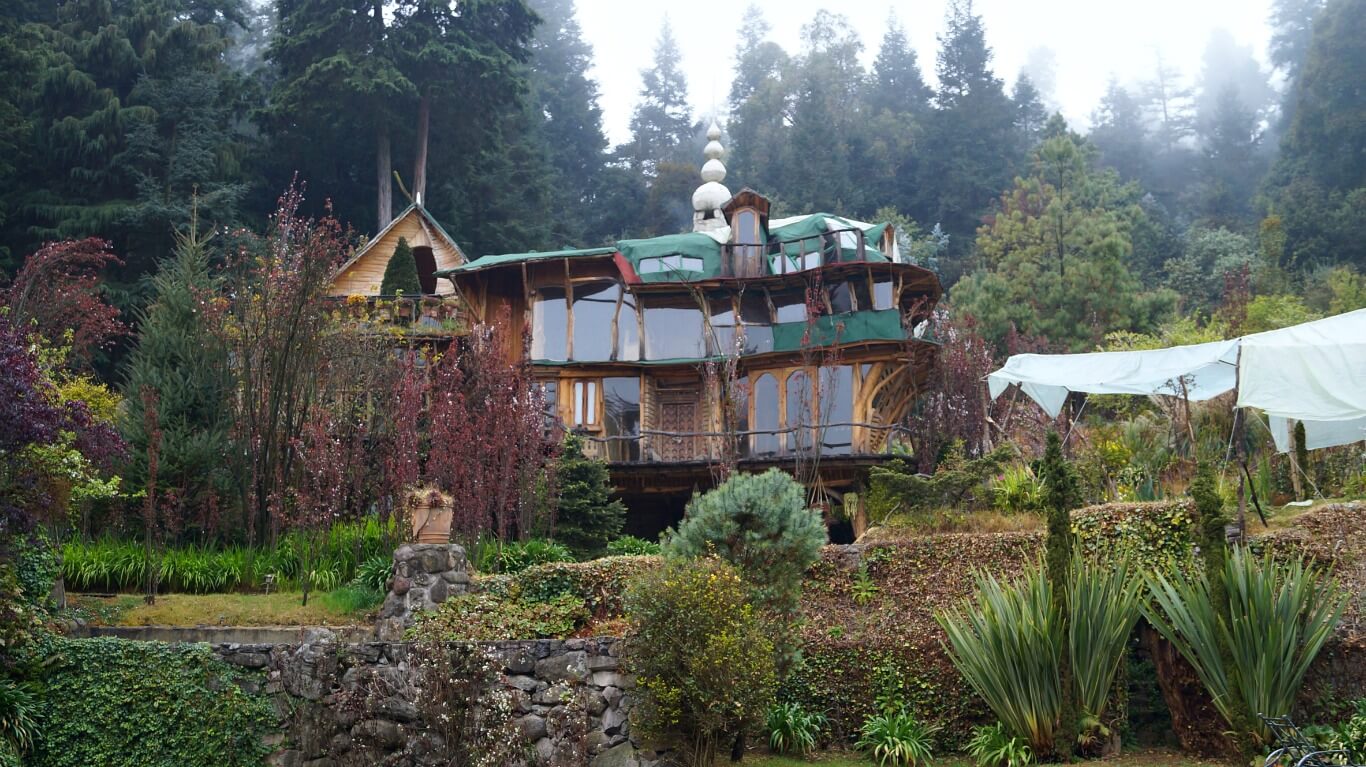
1314, 372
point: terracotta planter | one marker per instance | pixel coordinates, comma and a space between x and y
432, 515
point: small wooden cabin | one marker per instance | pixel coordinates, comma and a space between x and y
433, 249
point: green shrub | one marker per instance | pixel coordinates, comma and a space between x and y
1277, 616
1348, 735
1017, 490
994, 746
896, 739
488, 617
516, 556
400, 273
18, 721
631, 546
897, 487
36, 566
792, 729
702, 660
374, 572
587, 516
759, 523
118, 703
600, 584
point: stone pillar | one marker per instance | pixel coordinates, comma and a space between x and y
425, 575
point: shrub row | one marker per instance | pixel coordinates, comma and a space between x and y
348, 549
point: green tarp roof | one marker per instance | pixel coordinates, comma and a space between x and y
700, 246
484, 262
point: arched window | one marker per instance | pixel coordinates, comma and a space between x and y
766, 417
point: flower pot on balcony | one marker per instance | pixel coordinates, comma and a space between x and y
432, 513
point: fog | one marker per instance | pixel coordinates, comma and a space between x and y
1087, 42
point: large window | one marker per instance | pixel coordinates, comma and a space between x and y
882, 293
802, 406
584, 408
789, 306
723, 326
621, 417
766, 418
836, 407
674, 329
757, 319
673, 263
801, 402
549, 325
595, 308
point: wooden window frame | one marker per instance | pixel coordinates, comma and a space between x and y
592, 387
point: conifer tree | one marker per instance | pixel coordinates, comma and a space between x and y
180, 360
1061, 493
401, 272
661, 125
587, 517
896, 84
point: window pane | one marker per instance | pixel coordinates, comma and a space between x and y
882, 293
841, 298
674, 330
799, 402
754, 308
765, 416
578, 403
595, 304
747, 228
628, 330
549, 325
791, 307
758, 339
548, 389
590, 401
692, 264
621, 417
723, 326
836, 406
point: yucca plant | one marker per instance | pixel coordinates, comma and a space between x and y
1007, 643
995, 746
896, 739
792, 729
1277, 618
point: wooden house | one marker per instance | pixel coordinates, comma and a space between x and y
749, 342
433, 249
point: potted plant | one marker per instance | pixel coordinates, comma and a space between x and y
403, 305
433, 512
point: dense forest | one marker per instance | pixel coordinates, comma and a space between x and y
1196, 204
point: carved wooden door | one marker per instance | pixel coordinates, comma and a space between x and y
678, 409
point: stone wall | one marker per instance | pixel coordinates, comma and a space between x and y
572, 702
424, 576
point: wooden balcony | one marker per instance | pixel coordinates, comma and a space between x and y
434, 317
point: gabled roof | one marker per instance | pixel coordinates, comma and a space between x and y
426, 221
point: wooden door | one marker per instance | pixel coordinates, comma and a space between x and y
678, 416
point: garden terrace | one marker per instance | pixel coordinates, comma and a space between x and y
418, 317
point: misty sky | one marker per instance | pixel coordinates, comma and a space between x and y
1090, 39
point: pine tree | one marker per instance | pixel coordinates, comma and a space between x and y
1119, 132
896, 84
1231, 161
661, 125
400, 274
757, 130
178, 357
587, 516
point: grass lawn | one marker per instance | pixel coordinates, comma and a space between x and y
1157, 758
343, 607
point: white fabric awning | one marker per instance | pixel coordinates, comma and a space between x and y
1205, 370
1314, 372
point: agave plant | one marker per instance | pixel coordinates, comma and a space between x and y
1252, 653
1008, 644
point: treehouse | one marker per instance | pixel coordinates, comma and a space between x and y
356, 286
750, 341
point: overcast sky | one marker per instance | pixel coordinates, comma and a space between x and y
1090, 39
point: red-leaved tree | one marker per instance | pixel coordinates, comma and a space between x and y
57, 292
488, 445
955, 405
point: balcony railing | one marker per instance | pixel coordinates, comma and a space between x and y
434, 316
652, 446
794, 255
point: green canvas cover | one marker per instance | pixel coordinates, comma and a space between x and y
848, 328
485, 262
693, 244
815, 225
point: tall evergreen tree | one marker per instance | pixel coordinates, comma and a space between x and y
896, 84
972, 143
178, 357
1292, 30
1318, 185
1231, 161
1119, 132
827, 133
661, 124
1030, 114
757, 130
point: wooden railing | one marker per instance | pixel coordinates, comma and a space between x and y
435, 316
786, 443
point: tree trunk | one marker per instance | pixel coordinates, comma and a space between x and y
384, 178
1197, 724
424, 119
